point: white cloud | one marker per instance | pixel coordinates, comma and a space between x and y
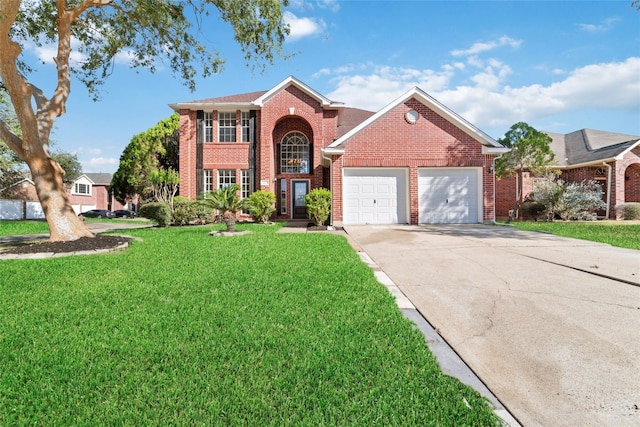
100, 164
605, 25
303, 27
489, 103
332, 5
373, 86
480, 47
47, 52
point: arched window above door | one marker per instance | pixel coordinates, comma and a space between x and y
294, 153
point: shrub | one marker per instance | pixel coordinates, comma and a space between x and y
533, 210
569, 201
262, 205
318, 203
580, 201
158, 212
547, 193
187, 212
628, 211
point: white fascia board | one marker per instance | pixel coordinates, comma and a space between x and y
331, 150
628, 150
324, 101
85, 177
433, 104
494, 150
194, 106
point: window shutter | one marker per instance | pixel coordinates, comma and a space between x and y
199, 126
199, 152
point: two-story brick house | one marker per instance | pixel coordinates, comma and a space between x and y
414, 161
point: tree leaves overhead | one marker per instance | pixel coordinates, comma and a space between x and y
150, 32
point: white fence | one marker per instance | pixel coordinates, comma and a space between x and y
20, 209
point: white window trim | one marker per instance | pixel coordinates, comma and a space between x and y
207, 124
89, 188
235, 126
222, 185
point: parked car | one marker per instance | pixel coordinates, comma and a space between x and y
125, 213
97, 213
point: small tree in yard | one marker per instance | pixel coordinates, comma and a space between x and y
164, 183
530, 150
262, 205
227, 201
318, 203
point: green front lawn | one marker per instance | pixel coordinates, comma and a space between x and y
10, 228
188, 329
615, 233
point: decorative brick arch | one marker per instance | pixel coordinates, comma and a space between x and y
285, 126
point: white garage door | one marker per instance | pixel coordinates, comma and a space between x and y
374, 196
448, 196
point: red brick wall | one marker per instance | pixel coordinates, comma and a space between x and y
187, 154
431, 142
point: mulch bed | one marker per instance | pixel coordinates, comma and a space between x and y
81, 244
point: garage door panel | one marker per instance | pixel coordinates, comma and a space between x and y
448, 196
371, 196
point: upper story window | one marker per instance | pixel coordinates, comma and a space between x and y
80, 188
246, 121
227, 126
208, 127
294, 153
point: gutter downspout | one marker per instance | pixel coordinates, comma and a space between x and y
609, 167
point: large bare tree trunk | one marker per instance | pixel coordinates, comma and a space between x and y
64, 224
33, 146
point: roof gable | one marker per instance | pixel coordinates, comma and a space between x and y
95, 178
489, 144
289, 81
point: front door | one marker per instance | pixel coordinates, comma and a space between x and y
300, 190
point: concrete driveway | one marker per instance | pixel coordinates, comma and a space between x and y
551, 325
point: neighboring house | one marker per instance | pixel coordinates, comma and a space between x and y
91, 191
414, 161
611, 159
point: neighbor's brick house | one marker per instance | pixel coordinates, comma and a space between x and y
92, 191
611, 159
414, 161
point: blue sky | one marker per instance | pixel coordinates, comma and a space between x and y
558, 65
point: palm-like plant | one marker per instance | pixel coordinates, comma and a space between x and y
227, 201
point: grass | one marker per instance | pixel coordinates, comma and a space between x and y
188, 329
9, 228
615, 233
